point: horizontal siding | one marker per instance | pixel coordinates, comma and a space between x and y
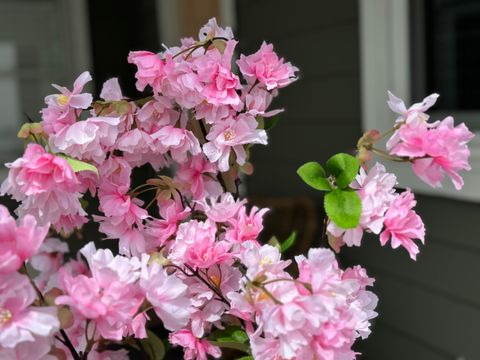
434, 301
322, 108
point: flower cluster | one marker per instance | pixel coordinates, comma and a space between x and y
189, 251
436, 148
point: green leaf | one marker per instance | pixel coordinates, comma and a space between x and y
233, 337
248, 357
343, 207
153, 346
229, 334
78, 165
314, 175
344, 167
274, 242
232, 345
287, 244
271, 122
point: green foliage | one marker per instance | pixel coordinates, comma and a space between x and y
287, 244
153, 346
233, 337
313, 174
344, 168
343, 207
342, 204
78, 165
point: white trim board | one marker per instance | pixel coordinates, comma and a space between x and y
385, 65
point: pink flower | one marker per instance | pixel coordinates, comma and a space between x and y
72, 98
38, 172
19, 321
447, 153
223, 208
37, 349
111, 90
110, 296
232, 134
178, 142
402, 224
161, 230
214, 70
265, 67
257, 101
89, 139
212, 113
376, 191
168, 296
150, 69
246, 227
18, 243
62, 108
211, 30
44, 181
196, 245
116, 171
264, 259
193, 347
415, 111
156, 114
196, 174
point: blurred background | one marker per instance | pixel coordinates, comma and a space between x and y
349, 53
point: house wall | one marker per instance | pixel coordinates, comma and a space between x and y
429, 309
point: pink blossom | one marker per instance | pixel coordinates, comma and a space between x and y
196, 174
182, 83
447, 153
19, 321
115, 170
246, 227
156, 114
150, 69
41, 181
214, 71
196, 245
62, 108
264, 259
178, 142
161, 230
211, 30
402, 224
376, 191
48, 260
74, 98
257, 101
111, 90
265, 67
89, 139
193, 347
223, 208
110, 296
38, 172
168, 296
18, 242
232, 134
212, 113
37, 349
415, 111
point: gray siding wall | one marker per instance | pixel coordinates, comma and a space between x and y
429, 309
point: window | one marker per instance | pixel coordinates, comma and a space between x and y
445, 38
408, 47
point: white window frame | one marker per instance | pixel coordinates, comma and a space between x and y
385, 65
